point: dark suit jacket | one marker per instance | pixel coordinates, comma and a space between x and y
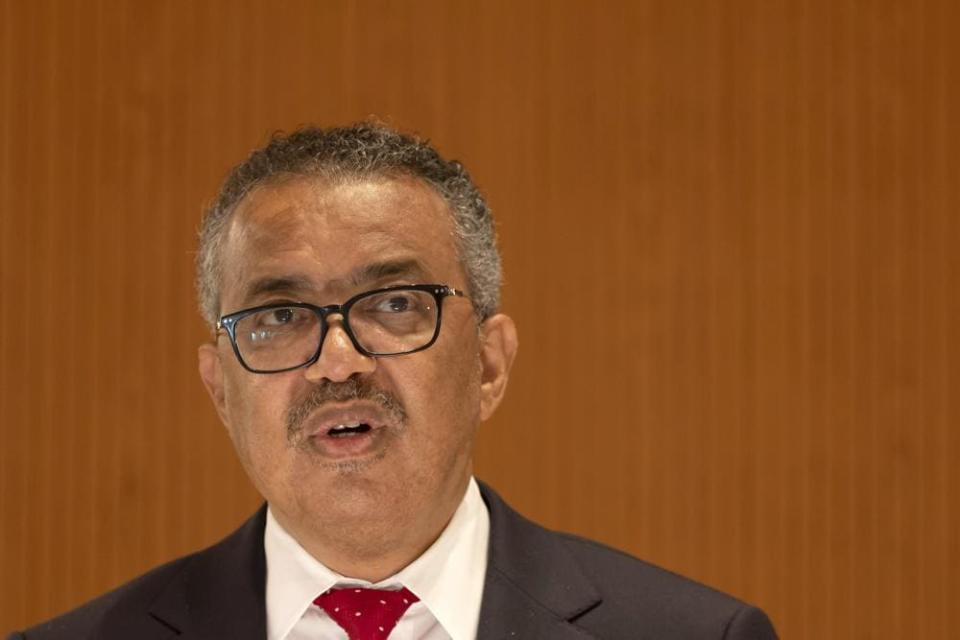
539, 584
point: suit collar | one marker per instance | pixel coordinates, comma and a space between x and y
534, 587
220, 592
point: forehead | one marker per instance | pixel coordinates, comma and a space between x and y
325, 233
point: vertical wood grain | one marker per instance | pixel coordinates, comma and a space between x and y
731, 241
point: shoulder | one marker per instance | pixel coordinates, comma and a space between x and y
128, 600
608, 593
196, 592
633, 589
628, 575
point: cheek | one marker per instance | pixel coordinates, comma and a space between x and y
456, 393
254, 412
257, 428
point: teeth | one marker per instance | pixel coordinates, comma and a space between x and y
343, 430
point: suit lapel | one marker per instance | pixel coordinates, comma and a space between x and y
533, 587
220, 593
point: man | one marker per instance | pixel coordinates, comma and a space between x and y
352, 279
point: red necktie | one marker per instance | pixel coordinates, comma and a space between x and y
366, 614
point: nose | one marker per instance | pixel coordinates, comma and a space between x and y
339, 359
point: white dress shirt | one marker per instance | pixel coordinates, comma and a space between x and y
448, 579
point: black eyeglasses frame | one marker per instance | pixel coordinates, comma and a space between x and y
228, 323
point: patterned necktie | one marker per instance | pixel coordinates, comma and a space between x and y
366, 614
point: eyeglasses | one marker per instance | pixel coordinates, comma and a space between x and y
383, 322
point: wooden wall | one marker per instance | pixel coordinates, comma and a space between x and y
731, 237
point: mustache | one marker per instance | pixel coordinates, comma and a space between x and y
349, 389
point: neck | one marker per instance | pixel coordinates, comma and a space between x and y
372, 549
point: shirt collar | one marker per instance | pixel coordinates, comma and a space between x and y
448, 577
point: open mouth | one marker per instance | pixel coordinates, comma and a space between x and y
347, 430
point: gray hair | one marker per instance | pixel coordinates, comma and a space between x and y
363, 150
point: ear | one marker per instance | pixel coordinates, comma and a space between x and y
498, 348
211, 372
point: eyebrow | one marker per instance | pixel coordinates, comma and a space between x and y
283, 284
388, 269
366, 274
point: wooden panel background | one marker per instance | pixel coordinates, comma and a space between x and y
731, 239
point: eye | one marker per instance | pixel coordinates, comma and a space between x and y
278, 317
396, 303
403, 305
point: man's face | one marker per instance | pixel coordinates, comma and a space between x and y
400, 480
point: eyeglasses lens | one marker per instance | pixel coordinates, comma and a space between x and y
383, 323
